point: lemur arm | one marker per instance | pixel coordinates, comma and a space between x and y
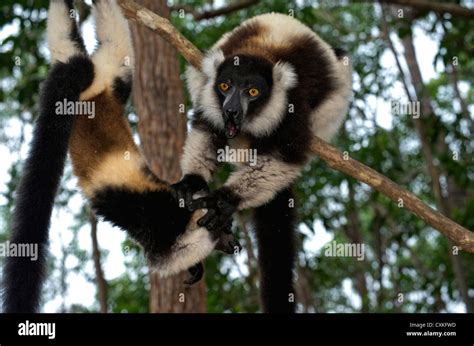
256, 185
198, 162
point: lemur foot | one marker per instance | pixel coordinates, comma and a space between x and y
228, 244
187, 187
221, 228
226, 241
196, 273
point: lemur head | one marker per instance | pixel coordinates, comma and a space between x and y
242, 92
243, 86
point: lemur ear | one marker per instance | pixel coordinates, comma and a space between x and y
284, 75
211, 62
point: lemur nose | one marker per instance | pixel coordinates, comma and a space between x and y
231, 113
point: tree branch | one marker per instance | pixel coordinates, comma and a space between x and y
164, 28
236, 6
428, 5
335, 159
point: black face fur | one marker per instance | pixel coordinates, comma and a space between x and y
241, 74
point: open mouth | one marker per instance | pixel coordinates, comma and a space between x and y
231, 129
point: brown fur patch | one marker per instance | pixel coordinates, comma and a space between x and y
103, 151
117, 170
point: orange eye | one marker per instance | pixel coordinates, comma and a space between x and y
224, 86
254, 92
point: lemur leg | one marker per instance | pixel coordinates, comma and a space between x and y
114, 58
64, 39
198, 163
275, 228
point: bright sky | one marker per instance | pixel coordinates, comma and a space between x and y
82, 292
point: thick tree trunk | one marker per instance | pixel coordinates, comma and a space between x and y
157, 96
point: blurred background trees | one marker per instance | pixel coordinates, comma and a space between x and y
400, 55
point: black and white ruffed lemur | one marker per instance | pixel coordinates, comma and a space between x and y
112, 173
269, 85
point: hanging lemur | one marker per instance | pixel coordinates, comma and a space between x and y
270, 85
112, 173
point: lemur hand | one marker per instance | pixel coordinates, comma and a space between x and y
187, 187
220, 205
227, 242
196, 272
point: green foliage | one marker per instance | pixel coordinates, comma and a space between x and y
129, 292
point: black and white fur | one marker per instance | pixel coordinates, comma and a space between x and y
306, 88
112, 173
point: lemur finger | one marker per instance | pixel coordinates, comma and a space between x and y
226, 227
196, 272
227, 244
176, 194
202, 203
179, 195
216, 223
188, 198
210, 215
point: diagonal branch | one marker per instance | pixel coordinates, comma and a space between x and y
164, 28
335, 159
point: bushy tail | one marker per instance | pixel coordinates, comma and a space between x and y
275, 225
72, 72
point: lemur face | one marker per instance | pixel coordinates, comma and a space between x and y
243, 86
